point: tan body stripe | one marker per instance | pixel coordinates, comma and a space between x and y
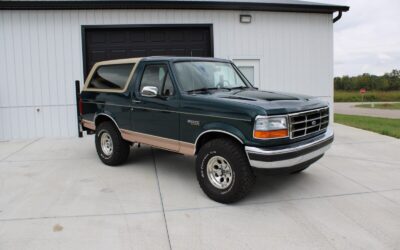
89, 124
185, 148
159, 142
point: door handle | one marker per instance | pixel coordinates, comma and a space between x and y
136, 101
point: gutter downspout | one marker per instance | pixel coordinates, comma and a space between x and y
338, 17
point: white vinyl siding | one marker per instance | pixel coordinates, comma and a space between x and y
41, 57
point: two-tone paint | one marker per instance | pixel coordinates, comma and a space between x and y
179, 122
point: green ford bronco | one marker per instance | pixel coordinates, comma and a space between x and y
203, 107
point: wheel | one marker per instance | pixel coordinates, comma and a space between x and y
223, 171
111, 148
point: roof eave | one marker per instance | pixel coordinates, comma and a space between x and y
250, 6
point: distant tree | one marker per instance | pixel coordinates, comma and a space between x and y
387, 82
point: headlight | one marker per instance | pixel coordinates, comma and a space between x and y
270, 127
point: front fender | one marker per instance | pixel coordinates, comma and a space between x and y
222, 128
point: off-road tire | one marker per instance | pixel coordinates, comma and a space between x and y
243, 178
121, 148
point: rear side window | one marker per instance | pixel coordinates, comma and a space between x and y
112, 77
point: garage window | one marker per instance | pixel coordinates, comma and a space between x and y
248, 72
250, 68
111, 77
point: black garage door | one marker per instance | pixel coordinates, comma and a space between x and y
107, 43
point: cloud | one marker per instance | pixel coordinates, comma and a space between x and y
367, 38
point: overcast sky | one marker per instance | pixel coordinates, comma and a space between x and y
367, 38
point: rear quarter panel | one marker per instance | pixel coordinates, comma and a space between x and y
115, 105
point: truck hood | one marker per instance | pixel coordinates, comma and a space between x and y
274, 103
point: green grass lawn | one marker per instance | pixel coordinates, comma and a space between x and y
384, 126
380, 106
370, 96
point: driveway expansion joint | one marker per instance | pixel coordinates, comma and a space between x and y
19, 150
362, 159
81, 216
161, 197
164, 211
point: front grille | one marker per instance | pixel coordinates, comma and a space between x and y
308, 122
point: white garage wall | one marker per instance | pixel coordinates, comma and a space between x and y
41, 56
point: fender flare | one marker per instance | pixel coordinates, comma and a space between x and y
106, 115
222, 128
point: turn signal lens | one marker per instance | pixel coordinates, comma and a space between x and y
270, 127
270, 134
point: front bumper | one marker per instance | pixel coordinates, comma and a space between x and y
290, 155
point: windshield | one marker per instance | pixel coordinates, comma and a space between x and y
203, 75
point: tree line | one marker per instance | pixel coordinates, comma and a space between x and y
387, 82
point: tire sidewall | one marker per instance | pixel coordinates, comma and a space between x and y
121, 147
203, 161
98, 143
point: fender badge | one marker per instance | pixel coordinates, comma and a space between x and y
193, 122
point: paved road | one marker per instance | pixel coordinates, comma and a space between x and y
56, 194
348, 108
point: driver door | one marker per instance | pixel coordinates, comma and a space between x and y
154, 118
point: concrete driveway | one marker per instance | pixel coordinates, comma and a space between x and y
56, 194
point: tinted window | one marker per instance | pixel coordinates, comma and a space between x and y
111, 76
157, 76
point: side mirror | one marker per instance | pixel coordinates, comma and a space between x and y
149, 91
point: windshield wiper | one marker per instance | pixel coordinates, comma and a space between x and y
205, 90
240, 87
215, 88
200, 90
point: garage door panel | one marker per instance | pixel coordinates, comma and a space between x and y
137, 36
178, 52
176, 36
116, 43
160, 52
117, 37
137, 53
157, 36
96, 56
198, 52
196, 36
117, 53
94, 37
99, 55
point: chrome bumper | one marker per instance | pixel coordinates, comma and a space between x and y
290, 155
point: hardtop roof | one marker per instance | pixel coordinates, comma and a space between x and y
160, 58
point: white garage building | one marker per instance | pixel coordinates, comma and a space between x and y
46, 45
